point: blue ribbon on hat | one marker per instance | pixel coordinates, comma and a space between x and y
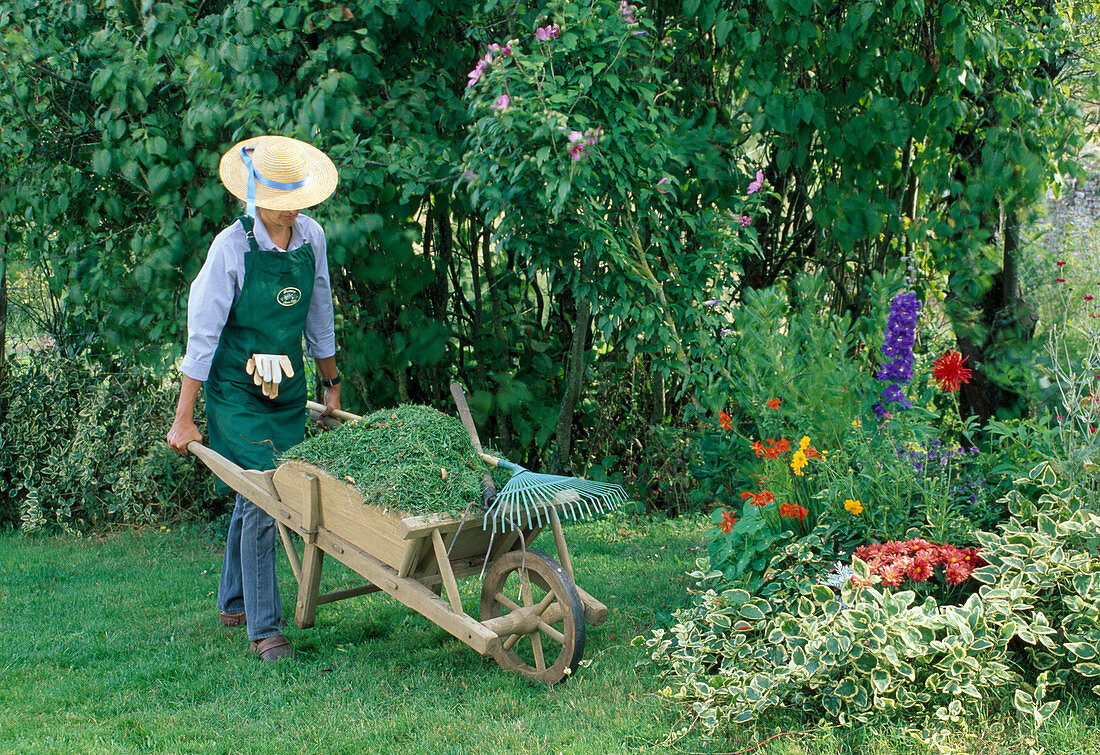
253, 177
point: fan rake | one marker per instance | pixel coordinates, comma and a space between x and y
532, 495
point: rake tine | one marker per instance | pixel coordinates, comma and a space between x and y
533, 504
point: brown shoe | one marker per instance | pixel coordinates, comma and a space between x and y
232, 619
273, 648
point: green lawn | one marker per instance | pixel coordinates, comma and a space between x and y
113, 645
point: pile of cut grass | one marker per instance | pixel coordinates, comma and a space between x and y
413, 458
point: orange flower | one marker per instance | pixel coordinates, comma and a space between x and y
725, 421
728, 520
763, 498
793, 511
773, 403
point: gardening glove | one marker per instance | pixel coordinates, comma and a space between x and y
267, 371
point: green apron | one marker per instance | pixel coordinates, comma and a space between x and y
267, 318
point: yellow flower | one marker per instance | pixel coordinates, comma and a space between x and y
855, 508
857, 423
798, 462
804, 443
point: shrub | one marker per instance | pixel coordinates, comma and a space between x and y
863, 652
82, 447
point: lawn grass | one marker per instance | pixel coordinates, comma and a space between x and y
112, 645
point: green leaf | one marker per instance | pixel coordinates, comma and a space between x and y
751, 612
1087, 669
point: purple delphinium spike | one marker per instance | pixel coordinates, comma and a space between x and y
901, 330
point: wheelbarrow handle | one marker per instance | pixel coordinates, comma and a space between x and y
467, 419
338, 413
488, 487
228, 472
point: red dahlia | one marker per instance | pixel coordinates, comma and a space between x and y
949, 372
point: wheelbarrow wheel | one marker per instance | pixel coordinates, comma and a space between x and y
518, 581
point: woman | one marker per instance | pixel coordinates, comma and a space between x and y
264, 286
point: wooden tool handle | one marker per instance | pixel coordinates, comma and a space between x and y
228, 472
338, 413
465, 416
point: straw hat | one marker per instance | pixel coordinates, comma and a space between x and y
286, 174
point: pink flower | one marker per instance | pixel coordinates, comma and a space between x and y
1059, 263
480, 68
501, 103
1088, 297
548, 32
755, 186
745, 221
628, 10
661, 183
579, 141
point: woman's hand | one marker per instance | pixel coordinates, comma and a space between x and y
332, 400
183, 432
183, 427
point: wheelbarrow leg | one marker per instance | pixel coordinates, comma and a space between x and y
309, 582
306, 611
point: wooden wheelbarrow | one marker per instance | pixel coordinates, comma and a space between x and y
532, 614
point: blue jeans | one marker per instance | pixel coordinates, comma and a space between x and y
248, 580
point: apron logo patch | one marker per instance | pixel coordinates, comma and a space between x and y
289, 296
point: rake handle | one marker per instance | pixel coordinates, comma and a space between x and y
496, 461
338, 413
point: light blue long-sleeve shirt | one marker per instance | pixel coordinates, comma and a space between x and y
221, 280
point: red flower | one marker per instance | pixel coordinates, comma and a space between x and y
920, 570
958, 573
949, 372
892, 575
1088, 297
1059, 263
1059, 280
728, 520
773, 403
725, 421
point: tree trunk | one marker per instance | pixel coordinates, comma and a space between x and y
1006, 324
498, 353
3, 328
578, 363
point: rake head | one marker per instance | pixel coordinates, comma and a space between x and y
530, 496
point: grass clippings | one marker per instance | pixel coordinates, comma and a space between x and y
413, 458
